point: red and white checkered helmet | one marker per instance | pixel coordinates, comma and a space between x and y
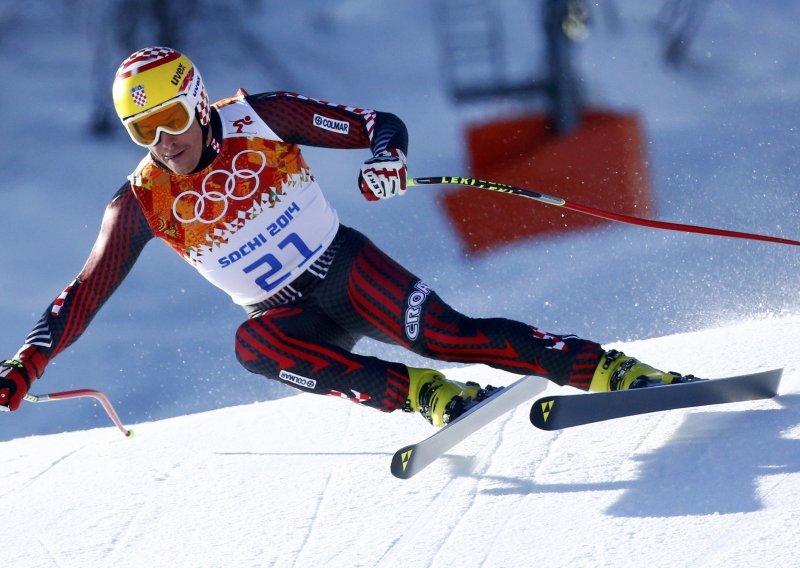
155, 75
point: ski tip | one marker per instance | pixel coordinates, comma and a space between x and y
402, 464
542, 411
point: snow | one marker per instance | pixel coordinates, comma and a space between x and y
305, 481
228, 469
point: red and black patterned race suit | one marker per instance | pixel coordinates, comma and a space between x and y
304, 335
365, 293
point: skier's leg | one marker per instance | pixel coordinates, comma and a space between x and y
369, 294
520, 348
389, 303
303, 348
285, 344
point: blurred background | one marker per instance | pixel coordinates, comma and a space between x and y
701, 99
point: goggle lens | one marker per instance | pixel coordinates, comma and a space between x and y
172, 117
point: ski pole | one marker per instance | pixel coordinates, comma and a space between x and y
559, 202
97, 395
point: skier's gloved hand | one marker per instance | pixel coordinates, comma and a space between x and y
14, 384
384, 175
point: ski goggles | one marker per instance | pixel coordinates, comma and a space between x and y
173, 117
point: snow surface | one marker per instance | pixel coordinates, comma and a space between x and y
228, 469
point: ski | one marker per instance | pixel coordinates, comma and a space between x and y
566, 411
410, 460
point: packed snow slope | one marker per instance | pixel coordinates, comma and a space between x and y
304, 481
229, 469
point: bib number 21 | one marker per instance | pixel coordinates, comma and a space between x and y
275, 269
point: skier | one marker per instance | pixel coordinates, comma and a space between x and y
226, 186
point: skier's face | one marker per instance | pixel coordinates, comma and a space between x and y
180, 152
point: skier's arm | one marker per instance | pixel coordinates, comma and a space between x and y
123, 234
310, 122
300, 120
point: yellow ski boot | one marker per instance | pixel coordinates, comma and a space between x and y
616, 371
437, 398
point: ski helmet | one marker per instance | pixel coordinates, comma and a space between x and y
159, 89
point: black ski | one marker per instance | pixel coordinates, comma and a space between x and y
565, 411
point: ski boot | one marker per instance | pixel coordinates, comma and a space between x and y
616, 371
439, 399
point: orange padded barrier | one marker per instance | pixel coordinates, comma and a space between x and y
601, 163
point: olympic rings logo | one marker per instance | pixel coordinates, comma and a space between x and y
209, 195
